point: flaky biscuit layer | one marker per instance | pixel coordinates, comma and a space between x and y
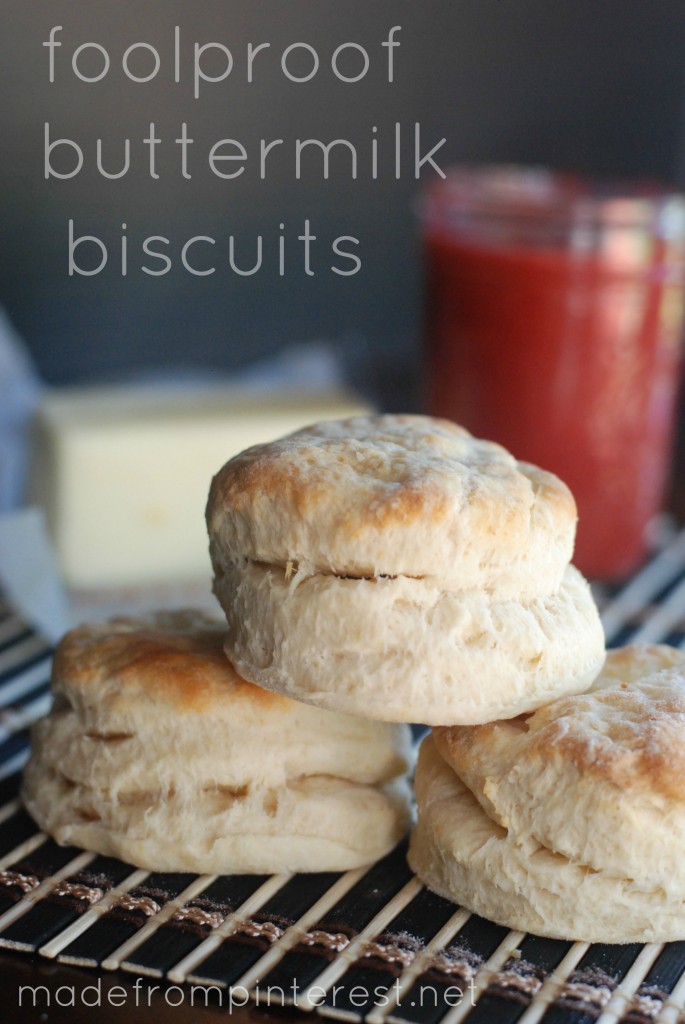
406, 650
311, 823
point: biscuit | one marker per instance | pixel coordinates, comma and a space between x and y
406, 650
599, 777
463, 855
400, 496
157, 752
568, 821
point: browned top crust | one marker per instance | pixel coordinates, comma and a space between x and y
627, 731
394, 495
170, 659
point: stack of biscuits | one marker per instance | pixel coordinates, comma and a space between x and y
374, 572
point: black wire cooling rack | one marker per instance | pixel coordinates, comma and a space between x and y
371, 944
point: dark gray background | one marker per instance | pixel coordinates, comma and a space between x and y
595, 85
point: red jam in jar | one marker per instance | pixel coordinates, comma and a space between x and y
553, 326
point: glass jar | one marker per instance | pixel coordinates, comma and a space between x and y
554, 314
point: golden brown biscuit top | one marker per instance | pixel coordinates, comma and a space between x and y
169, 658
628, 730
394, 495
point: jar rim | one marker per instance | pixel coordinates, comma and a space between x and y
535, 194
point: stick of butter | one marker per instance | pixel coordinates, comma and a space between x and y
122, 474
